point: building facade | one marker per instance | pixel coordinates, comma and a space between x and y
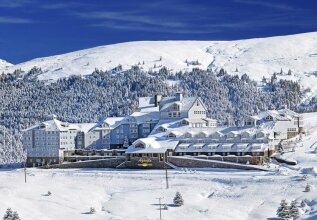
162, 127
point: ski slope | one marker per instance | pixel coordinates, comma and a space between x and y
256, 57
132, 194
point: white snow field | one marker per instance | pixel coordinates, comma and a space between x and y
256, 57
132, 194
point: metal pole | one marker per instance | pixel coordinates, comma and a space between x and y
160, 207
166, 177
25, 172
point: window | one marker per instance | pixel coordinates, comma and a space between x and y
170, 114
176, 107
140, 145
269, 118
171, 135
197, 103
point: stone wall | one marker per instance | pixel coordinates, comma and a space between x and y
84, 158
254, 160
103, 163
204, 163
142, 163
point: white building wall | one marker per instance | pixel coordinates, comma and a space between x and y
282, 127
197, 111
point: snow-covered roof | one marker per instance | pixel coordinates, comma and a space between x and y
54, 125
147, 104
221, 147
152, 145
186, 103
288, 112
86, 127
113, 122
142, 116
278, 115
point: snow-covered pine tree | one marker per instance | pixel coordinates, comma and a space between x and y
294, 209
283, 211
307, 188
8, 215
178, 199
16, 216
303, 204
289, 72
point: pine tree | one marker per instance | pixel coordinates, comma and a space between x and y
303, 204
8, 215
307, 188
264, 80
294, 209
281, 72
283, 211
289, 72
178, 199
16, 216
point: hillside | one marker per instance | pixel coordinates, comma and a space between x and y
4, 65
256, 57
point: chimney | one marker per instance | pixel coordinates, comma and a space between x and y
157, 99
179, 96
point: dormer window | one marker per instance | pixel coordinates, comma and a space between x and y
171, 135
185, 122
176, 107
140, 145
269, 118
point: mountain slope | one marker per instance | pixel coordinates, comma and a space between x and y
256, 57
4, 65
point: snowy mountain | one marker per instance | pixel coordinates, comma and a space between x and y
4, 65
256, 57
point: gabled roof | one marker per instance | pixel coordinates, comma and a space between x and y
54, 125
273, 113
87, 127
152, 145
186, 102
176, 133
142, 116
113, 122
288, 112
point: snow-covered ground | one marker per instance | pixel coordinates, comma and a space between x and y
132, 194
256, 57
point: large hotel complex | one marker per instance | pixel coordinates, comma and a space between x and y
175, 127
